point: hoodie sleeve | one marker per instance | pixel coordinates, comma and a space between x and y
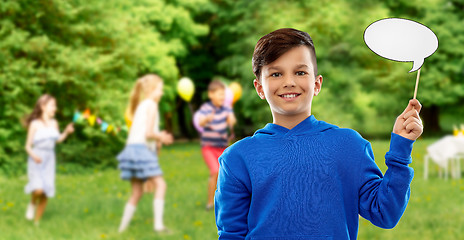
383, 199
232, 198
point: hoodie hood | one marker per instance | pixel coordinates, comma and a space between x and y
308, 126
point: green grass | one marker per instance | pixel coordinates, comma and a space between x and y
89, 206
436, 206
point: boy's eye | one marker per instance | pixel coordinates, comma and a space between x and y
276, 74
300, 73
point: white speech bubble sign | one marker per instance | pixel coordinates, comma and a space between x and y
401, 40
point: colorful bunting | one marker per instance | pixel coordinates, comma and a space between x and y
76, 116
110, 128
92, 119
86, 113
104, 126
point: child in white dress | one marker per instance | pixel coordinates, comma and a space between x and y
43, 134
138, 161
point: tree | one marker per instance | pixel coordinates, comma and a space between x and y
360, 89
236, 26
87, 54
442, 85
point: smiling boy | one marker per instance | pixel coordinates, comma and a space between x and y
301, 178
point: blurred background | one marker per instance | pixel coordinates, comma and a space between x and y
88, 54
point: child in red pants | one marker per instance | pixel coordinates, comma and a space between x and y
216, 119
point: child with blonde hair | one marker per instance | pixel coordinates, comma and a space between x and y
138, 161
42, 135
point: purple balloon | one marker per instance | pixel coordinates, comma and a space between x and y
229, 98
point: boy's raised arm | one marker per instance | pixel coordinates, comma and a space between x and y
232, 202
383, 199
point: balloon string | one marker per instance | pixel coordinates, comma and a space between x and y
417, 83
190, 108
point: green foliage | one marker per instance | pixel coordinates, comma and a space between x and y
87, 54
92, 148
337, 33
360, 89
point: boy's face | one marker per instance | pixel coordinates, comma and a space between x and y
288, 84
217, 97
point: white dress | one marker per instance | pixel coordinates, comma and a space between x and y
42, 175
138, 159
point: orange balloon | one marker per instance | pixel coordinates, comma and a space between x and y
237, 90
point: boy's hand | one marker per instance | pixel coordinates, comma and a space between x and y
409, 124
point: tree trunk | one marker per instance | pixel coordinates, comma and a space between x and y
184, 121
168, 122
430, 117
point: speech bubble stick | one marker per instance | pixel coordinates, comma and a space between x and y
417, 83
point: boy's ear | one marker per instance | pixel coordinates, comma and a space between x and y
259, 88
317, 85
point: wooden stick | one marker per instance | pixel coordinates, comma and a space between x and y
417, 83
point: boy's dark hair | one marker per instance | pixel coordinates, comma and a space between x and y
215, 85
275, 44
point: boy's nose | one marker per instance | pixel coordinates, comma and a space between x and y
289, 81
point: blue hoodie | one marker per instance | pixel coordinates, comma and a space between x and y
310, 182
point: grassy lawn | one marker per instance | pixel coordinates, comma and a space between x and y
89, 206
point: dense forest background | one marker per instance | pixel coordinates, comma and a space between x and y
88, 54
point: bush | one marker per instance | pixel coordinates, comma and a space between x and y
89, 147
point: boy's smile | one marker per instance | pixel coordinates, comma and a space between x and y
289, 85
289, 96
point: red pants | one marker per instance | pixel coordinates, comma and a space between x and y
211, 155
